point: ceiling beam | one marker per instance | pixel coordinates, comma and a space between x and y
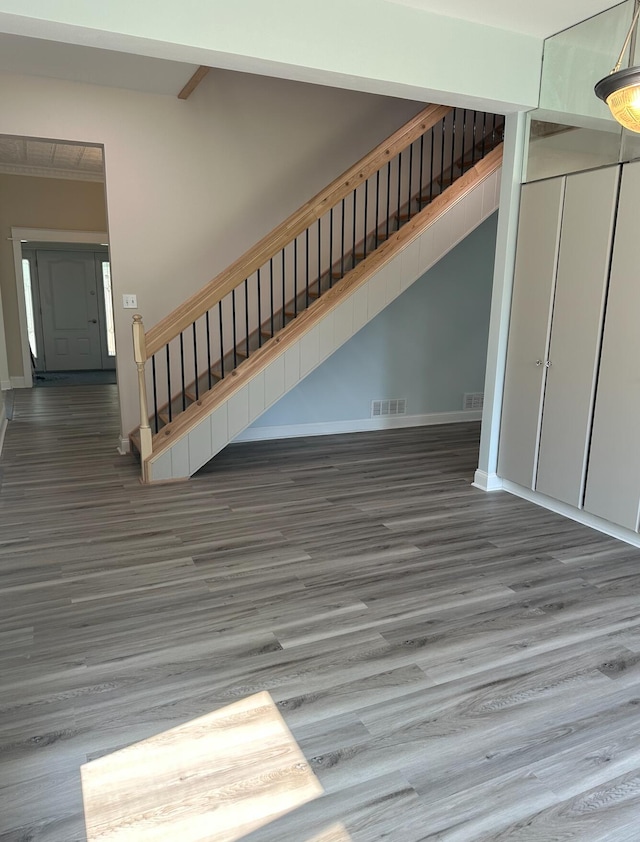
193, 83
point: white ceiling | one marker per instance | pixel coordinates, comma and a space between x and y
540, 18
51, 159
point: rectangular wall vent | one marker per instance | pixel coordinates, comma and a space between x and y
397, 406
473, 400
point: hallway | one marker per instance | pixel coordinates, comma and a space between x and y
453, 665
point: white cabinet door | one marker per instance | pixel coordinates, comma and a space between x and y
613, 477
578, 309
536, 258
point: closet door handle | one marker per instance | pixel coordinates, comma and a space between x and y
538, 363
548, 364
93, 321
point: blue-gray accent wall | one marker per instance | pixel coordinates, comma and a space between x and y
428, 346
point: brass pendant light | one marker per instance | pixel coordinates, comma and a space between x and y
621, 88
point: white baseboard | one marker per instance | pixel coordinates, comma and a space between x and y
578, 515
5, 385
487, 482
3, 423
124, 446
18, 383
359, 425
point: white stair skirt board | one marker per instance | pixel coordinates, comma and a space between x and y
579, 515
487, 482
226, 422
357, 425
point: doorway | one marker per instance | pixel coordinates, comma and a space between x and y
69, 311
25, 239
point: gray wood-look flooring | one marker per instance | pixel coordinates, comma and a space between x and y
453, 665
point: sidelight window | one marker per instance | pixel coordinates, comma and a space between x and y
28, 300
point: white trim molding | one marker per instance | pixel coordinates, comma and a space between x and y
5, 381
124, 446
357, 425
578, 515
22, 236
512, 162
3, 422
19, 383
487, 482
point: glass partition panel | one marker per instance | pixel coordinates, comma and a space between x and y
558, 149
573, 130
630, 146
577, 58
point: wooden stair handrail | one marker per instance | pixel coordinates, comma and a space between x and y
273, 243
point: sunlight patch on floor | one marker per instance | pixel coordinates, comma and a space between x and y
220, 777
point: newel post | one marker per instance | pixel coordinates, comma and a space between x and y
140, 356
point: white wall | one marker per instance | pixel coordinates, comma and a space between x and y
191, 185
429, 346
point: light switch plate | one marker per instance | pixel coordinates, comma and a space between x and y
130, 302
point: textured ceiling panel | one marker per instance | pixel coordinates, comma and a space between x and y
23, 156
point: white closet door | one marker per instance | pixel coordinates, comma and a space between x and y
613, 479
535, 270
578, 311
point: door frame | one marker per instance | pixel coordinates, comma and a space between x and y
99, 254
20, 237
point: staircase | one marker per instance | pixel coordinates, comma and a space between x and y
229, 352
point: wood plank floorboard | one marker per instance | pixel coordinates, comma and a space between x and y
453, 665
